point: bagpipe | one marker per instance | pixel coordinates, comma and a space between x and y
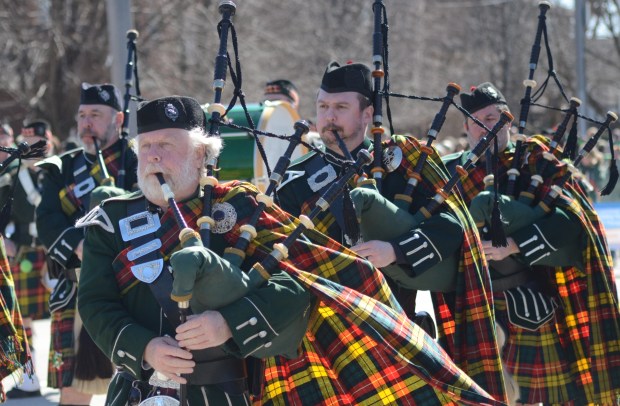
214, 281
131, 72
549, 165
22, 151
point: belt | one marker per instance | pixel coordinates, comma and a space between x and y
510, 281
217, 372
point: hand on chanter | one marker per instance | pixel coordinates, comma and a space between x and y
166, 357
205, 330
379, 253
498, 253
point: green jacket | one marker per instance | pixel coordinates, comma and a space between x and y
64, 200
554, 239
418, 250
122, 315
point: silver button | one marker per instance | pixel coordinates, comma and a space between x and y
262, 334
267, 345
253, 321
120, 353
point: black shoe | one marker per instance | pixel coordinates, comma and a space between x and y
17, 393
426, 323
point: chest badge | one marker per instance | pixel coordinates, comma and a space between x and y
225, 217
392, 157
148, 271
322, 178
138, 225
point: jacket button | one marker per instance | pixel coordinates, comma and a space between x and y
253, 321
120, 353
262, 334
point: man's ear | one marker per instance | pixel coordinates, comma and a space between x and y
367, 115
200, 155
119, 118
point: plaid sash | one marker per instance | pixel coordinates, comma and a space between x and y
69, 202
360, 348
466, 328
14, 350
588, 325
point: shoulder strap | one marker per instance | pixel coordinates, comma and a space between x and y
162, 285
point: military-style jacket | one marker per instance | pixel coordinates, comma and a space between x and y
417, 250
464, 310
122, 315
66, 185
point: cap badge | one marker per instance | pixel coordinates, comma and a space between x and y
171, 112
104, 95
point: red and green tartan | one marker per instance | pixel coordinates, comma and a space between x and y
465, 317
69, 202
576, 360
61, 362
14, 350
360, 348
32, 296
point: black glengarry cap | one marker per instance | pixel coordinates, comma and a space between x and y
170, 112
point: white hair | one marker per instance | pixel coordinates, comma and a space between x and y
213, 145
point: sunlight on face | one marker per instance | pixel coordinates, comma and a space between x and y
171, 153
340, 112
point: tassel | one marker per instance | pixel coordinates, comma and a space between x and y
497, 234
570, 148
613, 168
351, 225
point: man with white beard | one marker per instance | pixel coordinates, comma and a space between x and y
125, 282
77, 367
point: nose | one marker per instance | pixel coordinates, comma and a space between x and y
154, 154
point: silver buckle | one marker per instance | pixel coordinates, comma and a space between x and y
138, 225
148, 271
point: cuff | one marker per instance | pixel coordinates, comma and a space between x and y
418, 250
251, 331
63, 249
128, 350
533, 244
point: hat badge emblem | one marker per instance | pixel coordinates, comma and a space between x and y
104, 95
491, 92
171, 112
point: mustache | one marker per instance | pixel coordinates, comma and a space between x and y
332, 128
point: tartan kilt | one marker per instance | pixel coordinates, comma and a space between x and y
62, 354
352, 370
32, 296
537, 359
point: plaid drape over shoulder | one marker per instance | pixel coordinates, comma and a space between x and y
464, 317
587, 325
360, 349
